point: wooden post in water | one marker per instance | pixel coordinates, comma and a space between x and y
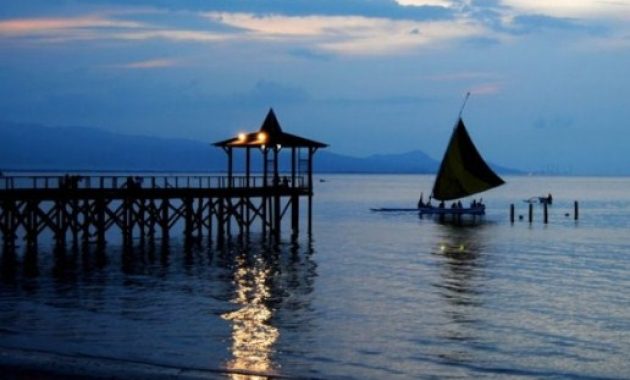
295, 214
188, 218
165, 222
576, 212
310, 190
85, 223
512, 213
100, 221
531, 213
220, 222
545, 213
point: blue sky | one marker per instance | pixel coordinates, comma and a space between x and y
549, 79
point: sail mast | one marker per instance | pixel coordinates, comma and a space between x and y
459, 116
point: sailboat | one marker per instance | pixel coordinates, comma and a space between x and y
463, 172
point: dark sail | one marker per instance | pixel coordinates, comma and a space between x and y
463, 171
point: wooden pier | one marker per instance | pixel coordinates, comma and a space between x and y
85, 208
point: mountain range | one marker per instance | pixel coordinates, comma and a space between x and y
32, 147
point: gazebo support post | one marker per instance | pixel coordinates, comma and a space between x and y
276, 198
264, 197
247, 183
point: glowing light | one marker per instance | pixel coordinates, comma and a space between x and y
262, 136
253, 335
278, 146
241, 137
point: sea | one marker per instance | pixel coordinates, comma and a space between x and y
367, 295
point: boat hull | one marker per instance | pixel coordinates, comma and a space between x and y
436, 210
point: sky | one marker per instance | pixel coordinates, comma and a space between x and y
549, 80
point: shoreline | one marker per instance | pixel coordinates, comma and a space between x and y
22, 364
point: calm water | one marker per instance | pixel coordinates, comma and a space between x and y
370, 296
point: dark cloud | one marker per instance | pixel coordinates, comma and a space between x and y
272, 93
558, 122
374, 8
535, 22
310, 54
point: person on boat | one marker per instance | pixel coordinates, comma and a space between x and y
473, 204
441, 205
459, 204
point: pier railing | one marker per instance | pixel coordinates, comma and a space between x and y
16, 182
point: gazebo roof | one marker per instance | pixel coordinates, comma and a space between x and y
269, 134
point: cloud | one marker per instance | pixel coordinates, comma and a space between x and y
45, 26
430, 10
324, 28
537, 22
425, 3
350, 34
556, 122
271, 93
148, 64
486, 89
459, 76
171, 35
583, 9
99, 27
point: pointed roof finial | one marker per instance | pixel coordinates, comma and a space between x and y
271, 125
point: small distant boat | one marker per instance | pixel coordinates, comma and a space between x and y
463, 172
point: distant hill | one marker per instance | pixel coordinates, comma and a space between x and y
40, 148
35, 147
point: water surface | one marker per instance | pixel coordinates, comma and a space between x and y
368, 296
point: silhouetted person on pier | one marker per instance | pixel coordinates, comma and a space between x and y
131, 183
69, 181
285, 181
549, 199
441, 205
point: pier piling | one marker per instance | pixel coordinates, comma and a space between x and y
575, 210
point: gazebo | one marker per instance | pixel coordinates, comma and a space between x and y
270, 139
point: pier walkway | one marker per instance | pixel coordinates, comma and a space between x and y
87, 207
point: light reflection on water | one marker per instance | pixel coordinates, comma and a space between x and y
253, 335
